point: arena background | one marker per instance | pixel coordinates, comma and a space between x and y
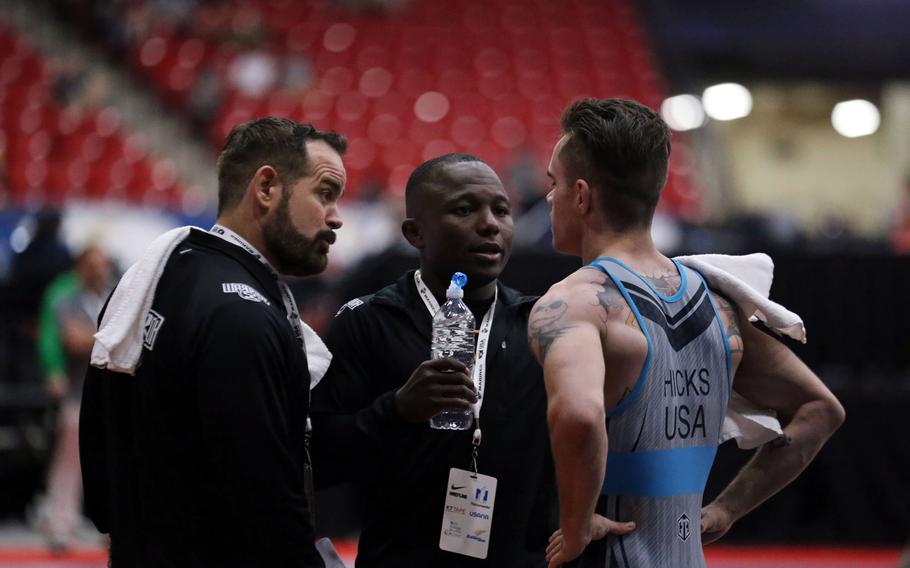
792, 137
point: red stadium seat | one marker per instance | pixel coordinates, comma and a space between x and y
56, 154
488, 77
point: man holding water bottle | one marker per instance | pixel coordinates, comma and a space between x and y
484, 496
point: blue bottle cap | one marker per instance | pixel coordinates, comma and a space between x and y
459, 279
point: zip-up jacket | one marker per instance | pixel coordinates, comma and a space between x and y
197, 460
402, 469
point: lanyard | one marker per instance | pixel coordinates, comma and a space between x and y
287, 298
479, 371
290, 306
293, 315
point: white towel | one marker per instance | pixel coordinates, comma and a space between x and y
118, 342
746, 281
318, 356
750, 426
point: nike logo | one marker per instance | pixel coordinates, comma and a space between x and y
457, 487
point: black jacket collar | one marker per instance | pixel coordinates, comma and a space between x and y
203, 239
403, 295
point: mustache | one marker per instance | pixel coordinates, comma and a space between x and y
327, 236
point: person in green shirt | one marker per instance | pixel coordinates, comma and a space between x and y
66, 328
50, 348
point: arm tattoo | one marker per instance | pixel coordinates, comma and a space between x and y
734, 334
547, 325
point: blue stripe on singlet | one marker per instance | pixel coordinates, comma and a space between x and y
658, 473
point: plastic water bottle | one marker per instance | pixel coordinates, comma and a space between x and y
453, 336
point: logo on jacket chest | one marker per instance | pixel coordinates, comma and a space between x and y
150, 328
244, 291
352, 305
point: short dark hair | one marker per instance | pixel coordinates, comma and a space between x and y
621, 148
428, 173
278, 142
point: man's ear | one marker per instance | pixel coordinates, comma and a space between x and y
584, 197
265, 188
411, 231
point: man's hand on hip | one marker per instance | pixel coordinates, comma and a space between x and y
562, 549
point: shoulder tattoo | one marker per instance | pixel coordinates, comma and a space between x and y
546, 325
613, 303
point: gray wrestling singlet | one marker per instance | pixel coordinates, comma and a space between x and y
663, 436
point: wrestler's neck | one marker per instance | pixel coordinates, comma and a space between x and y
438, 283
633, 247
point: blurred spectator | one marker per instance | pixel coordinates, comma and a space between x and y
76, 83
51, 355
900, 230
69, 78
43, 259
73, 302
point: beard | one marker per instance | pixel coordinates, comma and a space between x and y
295, 253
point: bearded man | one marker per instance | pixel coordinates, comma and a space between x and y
199, 458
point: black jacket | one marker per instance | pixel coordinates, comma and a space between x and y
404, 468
197, 460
